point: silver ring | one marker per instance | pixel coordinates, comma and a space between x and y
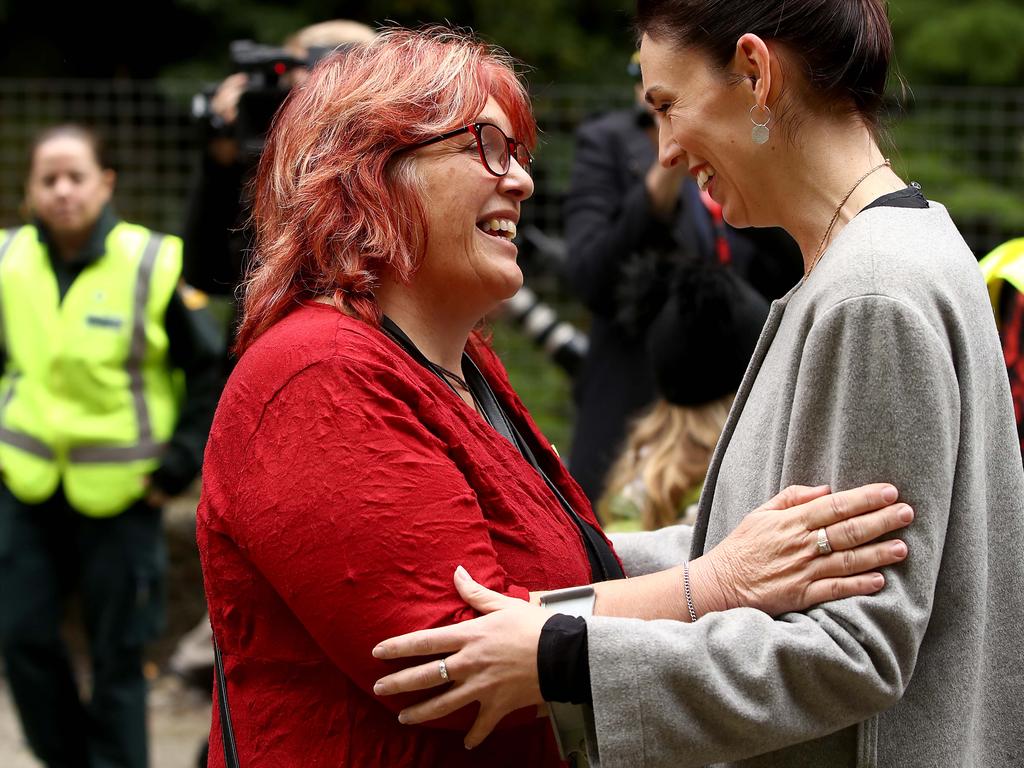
442, 667
824, 548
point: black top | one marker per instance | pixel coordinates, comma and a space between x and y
195, 347
909, 197
563, 661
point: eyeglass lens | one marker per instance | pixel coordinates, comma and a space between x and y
495, 149
494, 144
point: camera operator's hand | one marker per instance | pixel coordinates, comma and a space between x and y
663, 185
224, 106
224, 103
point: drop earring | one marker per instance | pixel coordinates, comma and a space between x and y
759, 134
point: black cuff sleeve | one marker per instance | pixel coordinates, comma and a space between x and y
563, 661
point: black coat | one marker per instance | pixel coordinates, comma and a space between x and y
609, 224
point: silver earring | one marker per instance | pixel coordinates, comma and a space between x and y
759, 134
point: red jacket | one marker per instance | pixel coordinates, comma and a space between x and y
342, 486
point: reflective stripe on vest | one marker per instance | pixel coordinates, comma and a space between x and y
107, 438
145, 448
26, 443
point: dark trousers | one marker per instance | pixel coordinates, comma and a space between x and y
116, 565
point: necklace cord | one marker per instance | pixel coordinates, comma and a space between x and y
835, 216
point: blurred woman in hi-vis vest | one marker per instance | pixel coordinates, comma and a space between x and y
109, 384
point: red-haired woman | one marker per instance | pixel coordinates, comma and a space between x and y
368, 441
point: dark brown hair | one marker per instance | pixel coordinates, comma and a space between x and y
843, 46
74, 131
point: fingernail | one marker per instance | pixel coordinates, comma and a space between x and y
877, 581
377, 688
378, 652
906, 514
820, 487
468, 746
899, 549
403, 718
889, 494
461, 573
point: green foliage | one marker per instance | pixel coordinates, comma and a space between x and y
951, 151
578, 41
975, 44
969, 198
543, 387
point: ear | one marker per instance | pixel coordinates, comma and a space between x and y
753, 62
108, 180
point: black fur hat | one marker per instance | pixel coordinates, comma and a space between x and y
703, 337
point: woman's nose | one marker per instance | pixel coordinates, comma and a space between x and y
669, 152
517, 182
63, 186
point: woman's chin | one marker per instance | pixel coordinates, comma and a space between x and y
735, 218
504, 288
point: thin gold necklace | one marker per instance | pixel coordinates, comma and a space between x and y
835, 217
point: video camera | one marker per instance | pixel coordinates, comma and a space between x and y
265, 67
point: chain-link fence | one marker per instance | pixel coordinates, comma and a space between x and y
965, 145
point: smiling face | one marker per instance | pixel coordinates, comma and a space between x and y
472, 215
67, 188
706, 126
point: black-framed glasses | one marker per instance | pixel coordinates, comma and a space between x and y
496, 149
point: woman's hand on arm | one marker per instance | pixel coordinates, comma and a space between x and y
491, 659
771, 560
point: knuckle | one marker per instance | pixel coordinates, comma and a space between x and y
838, 505
855, 531
849, 561
836, 589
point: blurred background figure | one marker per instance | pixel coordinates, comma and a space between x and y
1003, 269
624, 213
109, 384
699, 346
235, 118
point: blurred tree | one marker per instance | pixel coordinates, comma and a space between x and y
945, 42
971, 155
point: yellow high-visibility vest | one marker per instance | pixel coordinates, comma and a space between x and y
87, 397
1004, 265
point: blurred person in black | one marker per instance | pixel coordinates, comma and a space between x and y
623, 206
217, 237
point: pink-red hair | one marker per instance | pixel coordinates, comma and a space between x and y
335, 201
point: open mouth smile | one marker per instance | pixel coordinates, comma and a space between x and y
704, 177
504, 229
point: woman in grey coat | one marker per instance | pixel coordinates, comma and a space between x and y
883, 362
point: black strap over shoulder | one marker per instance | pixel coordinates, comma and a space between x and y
227, 731
603, 563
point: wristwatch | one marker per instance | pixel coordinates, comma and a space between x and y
569, 721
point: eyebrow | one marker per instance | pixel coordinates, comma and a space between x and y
650, 93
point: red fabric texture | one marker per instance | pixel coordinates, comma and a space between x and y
1013, 350
343, 484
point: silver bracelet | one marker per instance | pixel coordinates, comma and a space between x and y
689, 594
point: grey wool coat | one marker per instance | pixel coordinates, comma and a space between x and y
884, 366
